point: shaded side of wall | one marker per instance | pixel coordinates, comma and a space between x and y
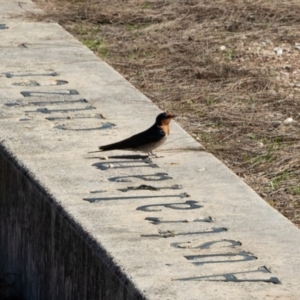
51, 254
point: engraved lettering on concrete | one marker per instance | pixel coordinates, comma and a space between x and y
46, 102
75, 116
68, 127
158, 221
23, 45
98, 191
26, 83
256, 275
34, 93
201, 259
95, 200
140, 187
49, 102
45, 110
151, 177
61, 82
10, 75
208, 245
187, 205
151, 188
3, 26
219, 244
36, 83
172, 233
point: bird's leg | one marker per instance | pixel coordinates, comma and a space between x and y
153, 154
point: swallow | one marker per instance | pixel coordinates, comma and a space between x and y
147, 140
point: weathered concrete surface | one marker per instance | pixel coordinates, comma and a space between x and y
72, 226
48, 250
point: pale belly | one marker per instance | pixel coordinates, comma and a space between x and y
152, 146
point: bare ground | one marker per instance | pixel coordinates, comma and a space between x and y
229, 69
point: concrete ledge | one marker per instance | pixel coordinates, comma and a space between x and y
74, 226
53, 257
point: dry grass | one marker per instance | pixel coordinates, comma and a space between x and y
214, 64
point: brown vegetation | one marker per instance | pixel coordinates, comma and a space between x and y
217, 64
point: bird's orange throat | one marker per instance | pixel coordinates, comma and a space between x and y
165, 128
165, 125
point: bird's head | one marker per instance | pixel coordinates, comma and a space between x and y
164, 118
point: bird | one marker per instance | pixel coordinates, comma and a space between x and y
148, 140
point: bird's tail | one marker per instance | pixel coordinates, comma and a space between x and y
106, 147
115, 146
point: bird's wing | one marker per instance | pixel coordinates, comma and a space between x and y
151, 135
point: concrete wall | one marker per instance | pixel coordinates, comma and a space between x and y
51, 255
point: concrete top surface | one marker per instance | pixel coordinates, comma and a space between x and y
201, 233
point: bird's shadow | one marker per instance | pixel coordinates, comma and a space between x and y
122, 165
135, 156
125, 161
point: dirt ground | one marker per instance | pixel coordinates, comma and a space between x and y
229, 69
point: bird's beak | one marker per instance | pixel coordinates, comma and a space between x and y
170, 115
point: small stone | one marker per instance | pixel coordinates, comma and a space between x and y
297, 46
223, 48
104, 158
288, 121
278, 51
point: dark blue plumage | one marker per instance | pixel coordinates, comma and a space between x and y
147, 140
